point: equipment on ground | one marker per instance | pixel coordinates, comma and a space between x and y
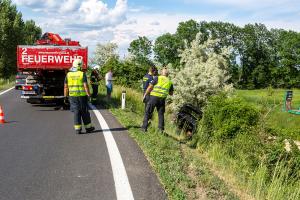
287, 106
187, 119
48, 63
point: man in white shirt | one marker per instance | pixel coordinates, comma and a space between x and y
108, 83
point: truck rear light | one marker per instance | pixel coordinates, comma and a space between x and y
27, 87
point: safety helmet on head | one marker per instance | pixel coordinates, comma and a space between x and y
77, 65
97, 67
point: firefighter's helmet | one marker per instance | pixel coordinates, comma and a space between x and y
77, 65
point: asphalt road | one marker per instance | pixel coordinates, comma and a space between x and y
42, 158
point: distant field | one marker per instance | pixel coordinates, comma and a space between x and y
271, 102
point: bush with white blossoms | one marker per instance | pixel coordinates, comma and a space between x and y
203, 73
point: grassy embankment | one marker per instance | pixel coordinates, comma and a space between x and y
244, 167
6, 83
180, 169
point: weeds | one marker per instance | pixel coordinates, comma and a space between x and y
243, 158
6, 83
183, 175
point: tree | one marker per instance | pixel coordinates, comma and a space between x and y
202, 74
229, 35
141, 50
31, 32
126, 72
12, 33
187, 31
11, 26
287, 72
257, 56
166, 50
104, 52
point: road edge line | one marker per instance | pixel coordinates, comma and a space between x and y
122, 185
6, 90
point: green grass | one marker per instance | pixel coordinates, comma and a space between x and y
211, 172
6, 83
180, 169
271, 102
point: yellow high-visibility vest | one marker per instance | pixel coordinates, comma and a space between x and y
75, 84
161, 89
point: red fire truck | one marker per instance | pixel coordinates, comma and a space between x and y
47, 63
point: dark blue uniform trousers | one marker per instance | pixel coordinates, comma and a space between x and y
159, 104
79, 106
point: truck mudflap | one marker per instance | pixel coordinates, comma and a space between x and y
42, 97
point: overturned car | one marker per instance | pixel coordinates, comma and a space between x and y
187, 119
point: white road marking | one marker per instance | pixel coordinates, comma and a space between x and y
123, 189
6, 90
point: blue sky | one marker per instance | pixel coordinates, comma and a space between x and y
121, 21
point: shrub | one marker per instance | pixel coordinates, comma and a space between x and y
225, 118
126, 73
203, 73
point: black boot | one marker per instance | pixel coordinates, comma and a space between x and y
89, 130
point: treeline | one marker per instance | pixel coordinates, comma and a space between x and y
13, 31
259, 57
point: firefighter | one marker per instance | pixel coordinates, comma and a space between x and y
76, 87
94, 80
159, 88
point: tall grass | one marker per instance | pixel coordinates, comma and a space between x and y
281, 186
6, 83
240, 162
260, 182
133, 98
184, 176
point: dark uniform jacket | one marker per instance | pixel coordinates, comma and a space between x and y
146, 81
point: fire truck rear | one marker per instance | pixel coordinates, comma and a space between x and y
46, 64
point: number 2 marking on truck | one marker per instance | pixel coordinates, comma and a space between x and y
24, 51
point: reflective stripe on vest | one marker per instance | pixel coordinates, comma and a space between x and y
75, 84
161, 89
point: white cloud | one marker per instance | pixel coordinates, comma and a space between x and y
155, 23
92, 10
246, 4
69, 5
256, 8
93, 21
38, 4
80, 11
144, 25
